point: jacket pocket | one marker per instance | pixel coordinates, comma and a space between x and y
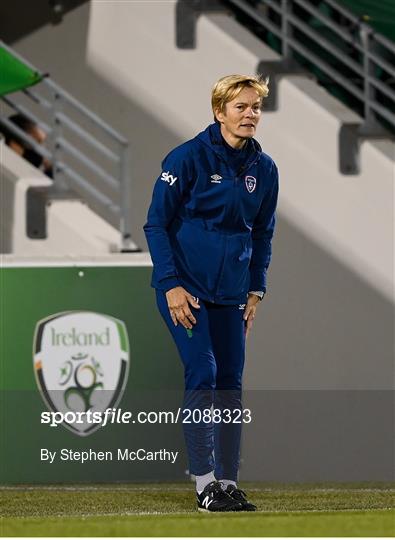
198, 255
234, 280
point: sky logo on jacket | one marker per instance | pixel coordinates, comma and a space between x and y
167, 177
250, 182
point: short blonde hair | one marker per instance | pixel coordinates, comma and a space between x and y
229, 87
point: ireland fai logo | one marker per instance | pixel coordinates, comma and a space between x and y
250, 183
81, 363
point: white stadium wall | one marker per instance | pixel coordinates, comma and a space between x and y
344, 215
72, 228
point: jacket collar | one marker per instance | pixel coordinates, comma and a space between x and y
212, 138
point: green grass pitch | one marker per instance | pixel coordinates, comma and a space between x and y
169, 510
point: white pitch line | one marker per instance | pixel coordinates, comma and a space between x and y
196, 513
91, 488
189, 488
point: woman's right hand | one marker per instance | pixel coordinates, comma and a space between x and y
178, 300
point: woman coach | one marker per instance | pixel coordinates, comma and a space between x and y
209, 231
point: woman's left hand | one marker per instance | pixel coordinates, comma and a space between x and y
250, 310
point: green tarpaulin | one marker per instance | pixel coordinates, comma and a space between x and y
378, 14
14, 74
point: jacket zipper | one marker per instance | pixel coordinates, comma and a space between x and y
235, 180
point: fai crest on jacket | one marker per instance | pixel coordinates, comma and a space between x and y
250, 183
81, 364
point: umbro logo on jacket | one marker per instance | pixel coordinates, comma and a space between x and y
216, 178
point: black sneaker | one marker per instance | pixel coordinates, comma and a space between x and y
214, 499
240, 496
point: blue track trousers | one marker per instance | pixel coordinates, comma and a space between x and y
213, 355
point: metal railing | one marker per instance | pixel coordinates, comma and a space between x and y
339, 46
88, 157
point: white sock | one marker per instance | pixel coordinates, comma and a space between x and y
202, 481
227, 483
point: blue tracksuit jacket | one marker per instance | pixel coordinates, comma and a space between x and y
209, 227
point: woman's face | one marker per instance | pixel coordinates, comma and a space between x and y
241, 115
